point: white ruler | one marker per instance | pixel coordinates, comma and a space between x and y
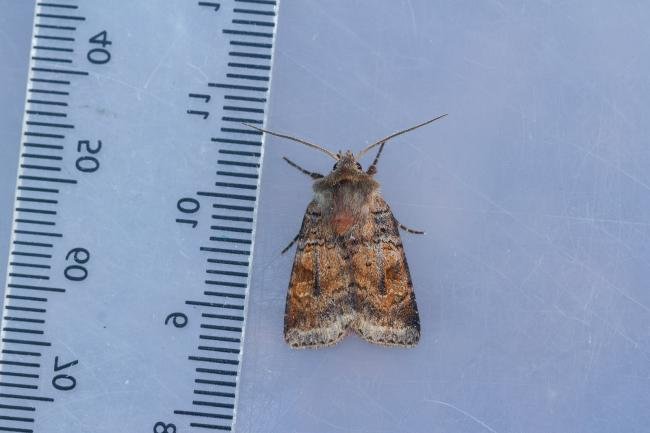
134, 215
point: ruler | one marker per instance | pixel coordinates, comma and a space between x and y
134, 218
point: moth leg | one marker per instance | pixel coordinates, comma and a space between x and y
373, 167
415, 232
290, 244
311, 174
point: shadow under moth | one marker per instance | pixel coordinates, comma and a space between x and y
350, 271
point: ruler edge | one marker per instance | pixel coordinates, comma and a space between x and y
19, 169
255, 221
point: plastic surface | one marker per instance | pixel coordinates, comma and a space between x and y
15, 34
532, 280
118, 337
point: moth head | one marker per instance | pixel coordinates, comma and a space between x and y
347, 163
347, 168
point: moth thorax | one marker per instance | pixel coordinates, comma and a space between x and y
349, 196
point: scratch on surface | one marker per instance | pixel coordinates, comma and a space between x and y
329, 85
138, 90
533, 269
199, 70
564, 314
461, 411
614, 167
617, 109
594, 353
373, 400
477, 63
9, 40
341, 24
618, 331
326, 422
163, 59
414, 24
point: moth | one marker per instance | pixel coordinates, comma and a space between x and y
350, 272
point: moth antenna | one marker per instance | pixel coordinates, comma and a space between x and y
299, 140
403, 131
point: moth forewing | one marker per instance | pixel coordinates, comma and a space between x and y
350, 271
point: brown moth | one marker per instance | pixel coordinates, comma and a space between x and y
350, 271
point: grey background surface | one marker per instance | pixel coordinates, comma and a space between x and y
532, 281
